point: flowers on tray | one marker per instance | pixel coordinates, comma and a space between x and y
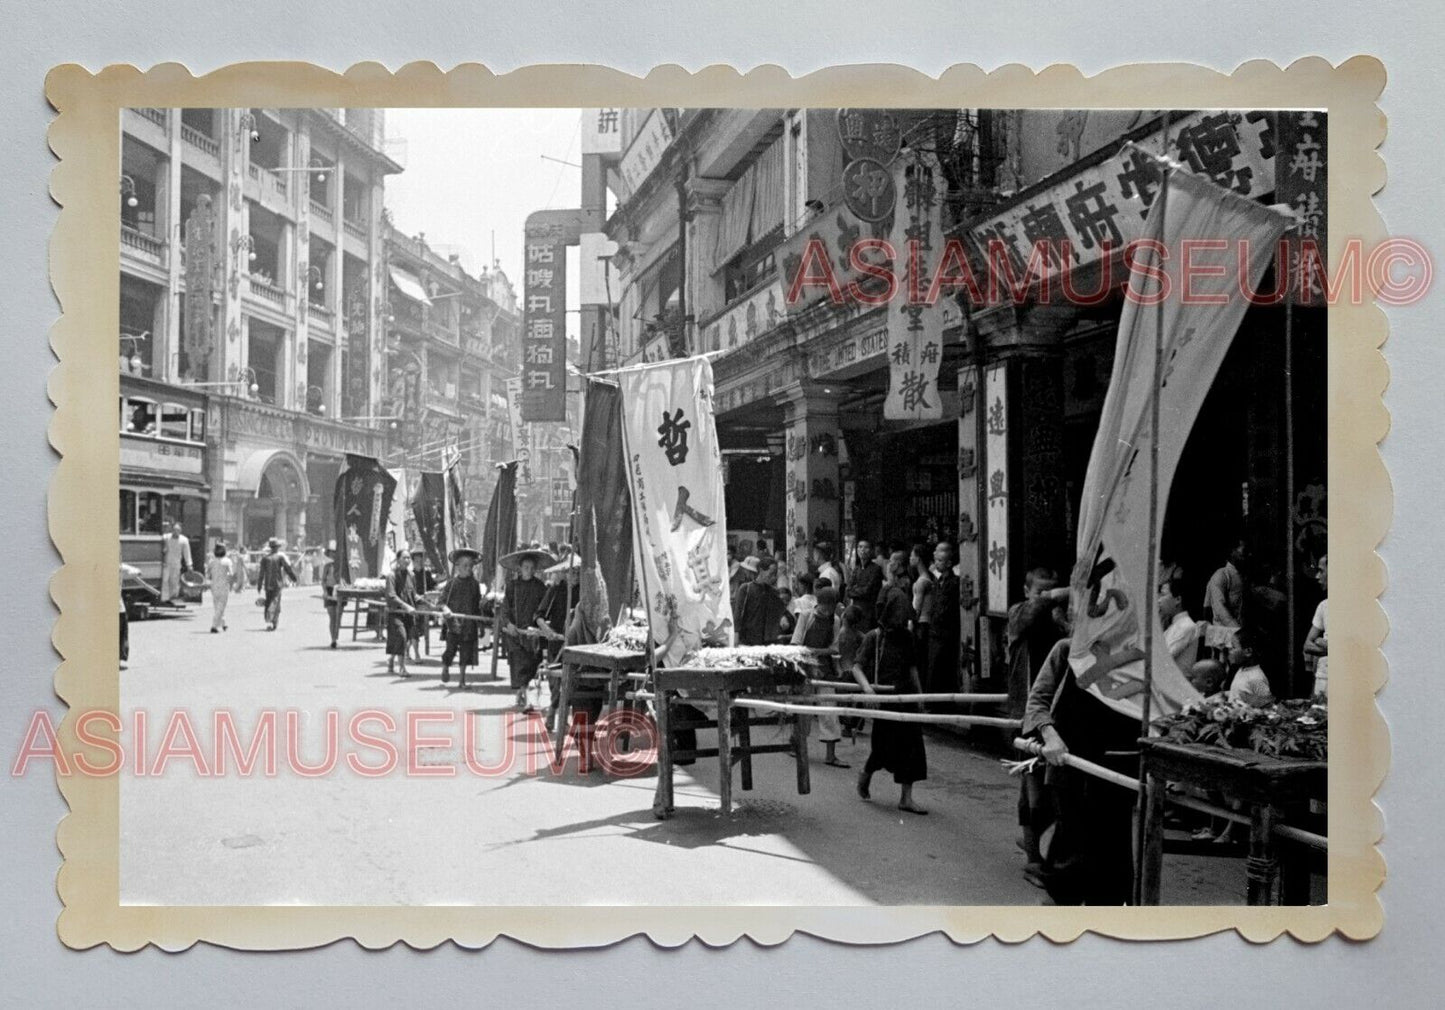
1285, 729
369, 584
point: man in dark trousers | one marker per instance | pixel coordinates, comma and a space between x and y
865, 585
275, 570
757, 608
943, 623
461, 598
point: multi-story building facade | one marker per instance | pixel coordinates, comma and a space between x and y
452, 344
716, 208
236, 415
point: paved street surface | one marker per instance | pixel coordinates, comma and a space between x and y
519, 838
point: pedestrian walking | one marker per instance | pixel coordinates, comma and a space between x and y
271, 579
520, 602
943, 623
886, 657
175, 559
330, 599
461, 598
922, 589
757, 608
400, 606
220, 573
817, 629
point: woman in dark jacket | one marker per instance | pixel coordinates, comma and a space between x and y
400, 606
887, 656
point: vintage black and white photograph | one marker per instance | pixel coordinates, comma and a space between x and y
723, 506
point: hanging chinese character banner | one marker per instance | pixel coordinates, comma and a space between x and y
675, 476
915, 329
1112, 597
1303, 187
544, 326
362, 504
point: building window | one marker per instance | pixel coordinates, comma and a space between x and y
140, 305
262, 345
127, 511
175, 422
321, 181
150, 515
140, 416
353, 201
755, 267
269, 151
198, 425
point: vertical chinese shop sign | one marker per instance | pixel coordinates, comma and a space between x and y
1301, 183
915, 328
995, 460
674, 471
544, 327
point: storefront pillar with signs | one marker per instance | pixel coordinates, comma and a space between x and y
813, 490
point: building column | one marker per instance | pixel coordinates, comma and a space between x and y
172, 230
704, 292
813, 492
1021, 490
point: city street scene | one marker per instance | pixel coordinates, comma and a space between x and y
723, 506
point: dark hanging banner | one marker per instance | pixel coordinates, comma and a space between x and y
499, 538
428, 508
361, 505
604, 508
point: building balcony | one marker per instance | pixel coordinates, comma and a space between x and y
442, 332
144, 246
319, 313
157, 116
268, 292
200, 141
355, 229
323, 212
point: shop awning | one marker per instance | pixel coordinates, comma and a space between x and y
408, 284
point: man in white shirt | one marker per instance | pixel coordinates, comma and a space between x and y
1181, 632
175, 558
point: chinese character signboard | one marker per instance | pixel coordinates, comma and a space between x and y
601, 131
869, 133
362, 505
544, 325
645, 151
514, 415
1303, 188
674, 471
915, 329
1104, 205
995, 476
200, 286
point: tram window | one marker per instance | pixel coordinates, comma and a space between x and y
175, 422
150, 512
142, 417
198, 426
127, 511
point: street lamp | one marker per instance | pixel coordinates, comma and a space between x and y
374, 417
247, 243
135, 363
315, 167
320, 398
248, 122
314, 274
247, 373
127, 190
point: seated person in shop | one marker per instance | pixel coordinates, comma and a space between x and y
460, 601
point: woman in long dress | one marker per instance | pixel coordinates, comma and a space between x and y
462, 595
220, 573
400, 606
888, 657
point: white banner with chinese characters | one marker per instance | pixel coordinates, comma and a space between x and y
915, 328
674, 471
514, 415
1111, 594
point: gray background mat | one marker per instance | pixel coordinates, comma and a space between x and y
1399, 968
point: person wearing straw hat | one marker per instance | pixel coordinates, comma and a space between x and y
400, 606
275, 570
520, 603
460, 598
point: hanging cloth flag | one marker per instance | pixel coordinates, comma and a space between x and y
362, 504
499, 537
1111, 594
915, 329
674, 471
428, 509
604, 511
458, 531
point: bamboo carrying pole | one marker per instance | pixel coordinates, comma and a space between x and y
889, 699
886, 716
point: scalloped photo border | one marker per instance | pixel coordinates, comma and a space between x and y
85, 138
